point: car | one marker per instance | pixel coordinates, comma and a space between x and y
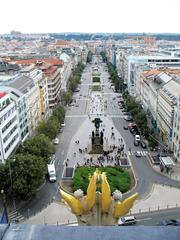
63, 124
125, 221
125, 127
128, 118
138, 154
77, 105
123, 111
143, 145
60, 130
56, 141
170, 222
136, 143
137, 138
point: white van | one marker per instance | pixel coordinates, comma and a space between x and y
51, 172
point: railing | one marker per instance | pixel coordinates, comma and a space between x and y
153, 208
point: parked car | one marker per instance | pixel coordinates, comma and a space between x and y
125, 221
128, 118
143, 145
170, 222
63, 124
137, 138
123, 110
56, 141
138, 154
136, 143
125, 127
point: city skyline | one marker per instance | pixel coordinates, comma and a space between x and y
93, 17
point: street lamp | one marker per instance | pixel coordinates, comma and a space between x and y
10, 173
4, 205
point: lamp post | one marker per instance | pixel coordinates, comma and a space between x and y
10, 174
4, 204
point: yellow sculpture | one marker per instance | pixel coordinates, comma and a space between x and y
105, 194
100, 202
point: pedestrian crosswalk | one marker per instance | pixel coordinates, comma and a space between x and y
143, 153
15, 217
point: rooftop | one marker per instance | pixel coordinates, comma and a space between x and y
53, 61
2, 94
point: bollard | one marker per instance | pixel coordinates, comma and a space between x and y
167, 206
149, 209
158, 208
57, 223
176, 205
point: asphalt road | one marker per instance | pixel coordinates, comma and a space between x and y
75, 116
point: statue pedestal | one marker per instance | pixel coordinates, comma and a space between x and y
96, 148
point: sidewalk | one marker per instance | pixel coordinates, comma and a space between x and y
154, 201
173, 174
54, 214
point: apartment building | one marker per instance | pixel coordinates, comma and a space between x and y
9, 126
65, 70
168, 97
27, 87
176, 132
40, 80
132, 61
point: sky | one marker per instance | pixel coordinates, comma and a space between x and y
45, 16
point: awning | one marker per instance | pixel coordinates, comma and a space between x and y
167, 161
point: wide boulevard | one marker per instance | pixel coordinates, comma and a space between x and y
75, 117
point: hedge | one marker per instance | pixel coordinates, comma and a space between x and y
117, 177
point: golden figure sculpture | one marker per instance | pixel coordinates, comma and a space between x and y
99, 202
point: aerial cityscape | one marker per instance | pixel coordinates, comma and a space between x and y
90, 123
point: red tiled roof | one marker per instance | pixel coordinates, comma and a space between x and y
52, 61
2, 94
62, 43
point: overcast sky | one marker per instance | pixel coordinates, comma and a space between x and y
38, 16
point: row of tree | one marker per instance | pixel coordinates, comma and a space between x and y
139, 117
24, 172
103, 55
116, 80
89, 57
74, 80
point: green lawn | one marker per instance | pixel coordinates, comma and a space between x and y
96, 88
117, 177
96, 79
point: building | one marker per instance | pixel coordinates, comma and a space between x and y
66, 70
168, 97
40, 80
132, 61
9, 126
28, 88
176, 132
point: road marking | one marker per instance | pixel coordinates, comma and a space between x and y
143, 219
76, 116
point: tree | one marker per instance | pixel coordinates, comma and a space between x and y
28, 173
59, 113
89, 57
49, 128
67, 96
39, 145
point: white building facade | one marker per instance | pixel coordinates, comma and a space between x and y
9, 126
